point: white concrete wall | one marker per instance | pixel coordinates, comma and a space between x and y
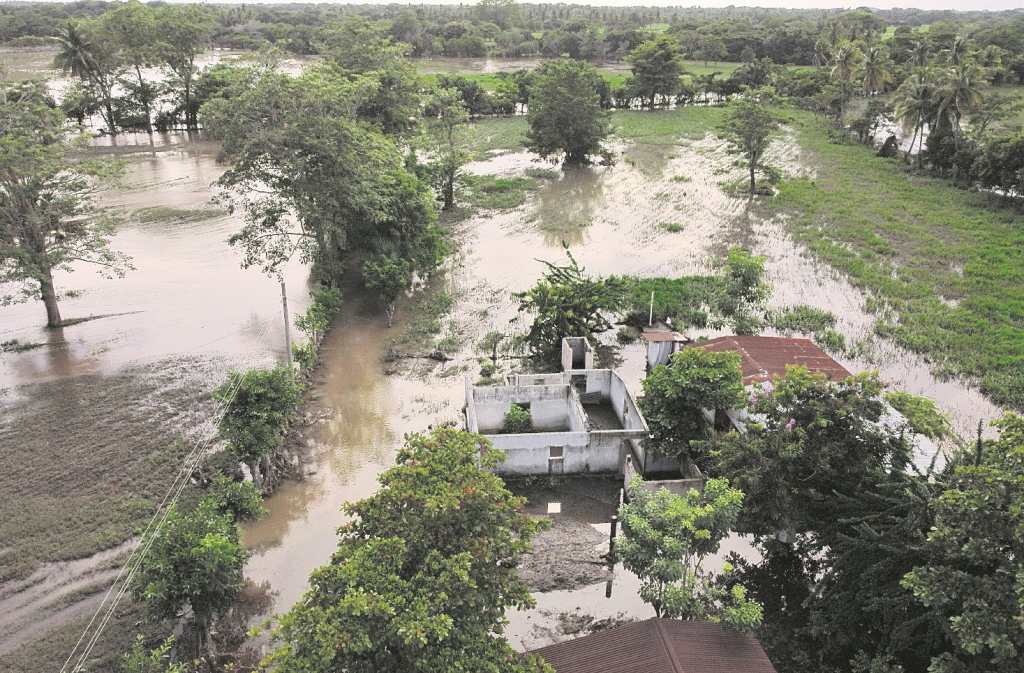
549, 406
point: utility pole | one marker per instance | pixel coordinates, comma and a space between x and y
287, 324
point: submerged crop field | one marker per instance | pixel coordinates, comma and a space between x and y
944, 266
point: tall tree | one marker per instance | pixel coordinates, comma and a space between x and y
914, 104
959, 93
133, 29
445, 144
88, 53
669, 538
657, 69
845, 59
565, 115
195, 560
876, 70
974, 575
676, 396
48, 218
749, 129
423, 575
185, 32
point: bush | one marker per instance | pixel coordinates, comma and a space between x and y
517, 420
921, 413
802, 318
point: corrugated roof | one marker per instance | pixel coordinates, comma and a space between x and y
660, 646
765, 358
659, 335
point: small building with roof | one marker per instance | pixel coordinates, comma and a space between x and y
764, 358
660, 646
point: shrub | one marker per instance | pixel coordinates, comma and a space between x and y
802, 318
517, 420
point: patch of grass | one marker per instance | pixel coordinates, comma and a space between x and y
91, 456
949, 263
543, 173
802, 318
15, 346
489, 191
671, 227
168, 214
831, 340
495, 134
681, 178
666, 127
426, 310
685, 300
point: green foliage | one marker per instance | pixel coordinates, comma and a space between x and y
517, 420
802, 318
489, 191
676, 395
974, 574
668, 537
565, 115
914, 241
314, 322
195, 560
657, 68
749, 130
310, 179
446, 143
48, 217
422, 575
743, 287
259, 403
240, 499
389, 275
564, 303
923, 414
142, 660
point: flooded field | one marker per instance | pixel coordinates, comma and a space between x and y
136, 380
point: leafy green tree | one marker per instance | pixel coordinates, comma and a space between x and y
668, 539
742, 288
974, 574
241, 499
748, 130
88, 53
677, 396
48, 218
185, 32
258, 405
565, 302
133, 29
657, 69
195, 560
445, 144
313, 181
390, 276
959, 93
565, 115
423, 574
914, 104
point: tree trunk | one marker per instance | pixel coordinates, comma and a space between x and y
449, 192
49, 296
145, 100
753, 183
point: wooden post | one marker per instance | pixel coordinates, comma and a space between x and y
650, 316
287, 324
611, 540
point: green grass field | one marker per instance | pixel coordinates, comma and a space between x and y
946, 264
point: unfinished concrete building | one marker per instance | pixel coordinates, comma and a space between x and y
582, 419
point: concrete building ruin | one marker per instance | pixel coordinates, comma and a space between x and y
584, 420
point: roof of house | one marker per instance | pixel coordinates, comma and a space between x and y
765, 358
660, 646
659, 335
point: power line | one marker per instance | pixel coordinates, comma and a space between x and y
149, 534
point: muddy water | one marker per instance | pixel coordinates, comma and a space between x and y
366, 417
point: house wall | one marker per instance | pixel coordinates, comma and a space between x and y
582, 452
576, 354
549, 406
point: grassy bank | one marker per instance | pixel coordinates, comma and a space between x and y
661, 127
945, 265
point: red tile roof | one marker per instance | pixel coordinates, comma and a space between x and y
765, 358
660, 646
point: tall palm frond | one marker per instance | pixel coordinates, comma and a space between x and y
959, 94
75, 55
876, 70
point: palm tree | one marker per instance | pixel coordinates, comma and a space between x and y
957, 50
920, 53
89, 60
959, 94
876, 70
914, 103
844, 63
